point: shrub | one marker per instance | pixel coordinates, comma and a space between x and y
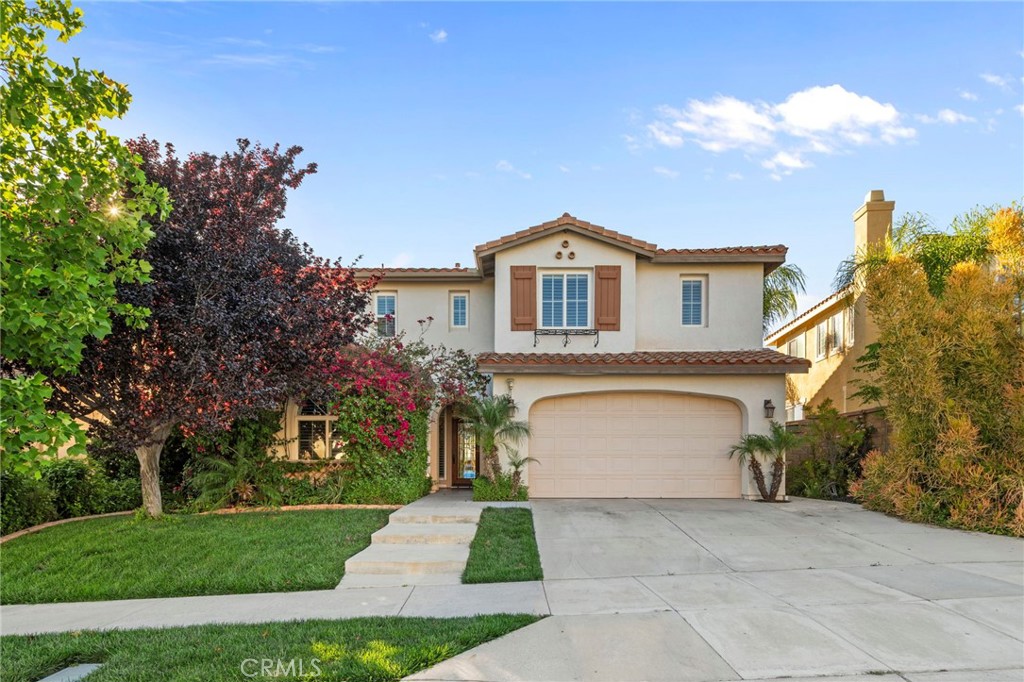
498, 490
24, 502
835, 444
81, 488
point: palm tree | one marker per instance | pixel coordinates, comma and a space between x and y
516, 463
774, 445
492, 420
781, 286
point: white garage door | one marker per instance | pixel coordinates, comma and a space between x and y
634, 445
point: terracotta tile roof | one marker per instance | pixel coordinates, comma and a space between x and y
773, 250
563, 220
437, 270
760, 360
419, 274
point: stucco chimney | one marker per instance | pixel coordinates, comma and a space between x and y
872, 221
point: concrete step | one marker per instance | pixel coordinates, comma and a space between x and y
408, 559
398, 580
425, 534
435, 516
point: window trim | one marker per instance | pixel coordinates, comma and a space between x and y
328, 422
541, 274
821, 340
378, 317
801, 346
836, 332
452, 295
703, 280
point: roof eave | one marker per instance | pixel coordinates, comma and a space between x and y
576, 369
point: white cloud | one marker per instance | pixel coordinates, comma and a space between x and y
439, 36
1020, 109
241, 42
998, 81
506, 167
318, 49
256, 59
946, 116
817, 120
564, 168
734, 176
967, 95
716, 125
666, 172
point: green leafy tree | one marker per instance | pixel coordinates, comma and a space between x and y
74, 204
781, 286
492, 420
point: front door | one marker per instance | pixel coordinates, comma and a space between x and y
465, 454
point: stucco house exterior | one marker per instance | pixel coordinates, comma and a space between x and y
637, 367
837, 330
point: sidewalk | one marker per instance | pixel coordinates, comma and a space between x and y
423, 600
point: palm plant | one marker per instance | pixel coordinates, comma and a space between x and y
516, 463
774, 445
492, 420
781, 286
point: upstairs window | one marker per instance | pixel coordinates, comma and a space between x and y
565, 300
796, 347
459, 310
385, 305
693, 309
821, 340
836, 329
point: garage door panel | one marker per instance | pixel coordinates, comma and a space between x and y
640, 444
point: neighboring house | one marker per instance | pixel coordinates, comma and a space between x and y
836, 331
637, 367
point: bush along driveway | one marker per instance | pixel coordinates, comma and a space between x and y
126, 558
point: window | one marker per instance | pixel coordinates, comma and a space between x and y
849, 326
796, 347
459, 310
821, 341
318, 434
693, 302
386, 314
565, 300
835, 333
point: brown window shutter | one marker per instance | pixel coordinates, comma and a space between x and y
607, 297
524, 298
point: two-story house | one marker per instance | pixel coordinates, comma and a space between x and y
833, 333
636, 367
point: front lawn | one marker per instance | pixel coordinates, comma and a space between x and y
178, 556
504, 549
355, 649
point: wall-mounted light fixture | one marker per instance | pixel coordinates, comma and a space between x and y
510, 382
769, 409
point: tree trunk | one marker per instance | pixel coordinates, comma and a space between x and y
778, 468
149, 469
755, 468
493, 464
517, 481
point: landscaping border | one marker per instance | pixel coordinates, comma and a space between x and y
230, 510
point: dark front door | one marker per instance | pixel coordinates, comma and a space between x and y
465, 454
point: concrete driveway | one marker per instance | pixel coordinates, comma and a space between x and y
681, 590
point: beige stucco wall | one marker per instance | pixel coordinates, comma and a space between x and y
748, 392
542, 253
733, 318
420, 300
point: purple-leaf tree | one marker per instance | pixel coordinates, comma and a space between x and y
242, 315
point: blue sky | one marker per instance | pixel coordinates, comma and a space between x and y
439, 126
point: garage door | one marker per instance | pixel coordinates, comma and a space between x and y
634, 445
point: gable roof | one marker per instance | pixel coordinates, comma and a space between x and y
771, 256
822, 306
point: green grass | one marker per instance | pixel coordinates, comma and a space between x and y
129, 558
356, 649
504, 549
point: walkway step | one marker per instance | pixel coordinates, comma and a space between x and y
399, 579
440, 516
422, 533
408, 559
